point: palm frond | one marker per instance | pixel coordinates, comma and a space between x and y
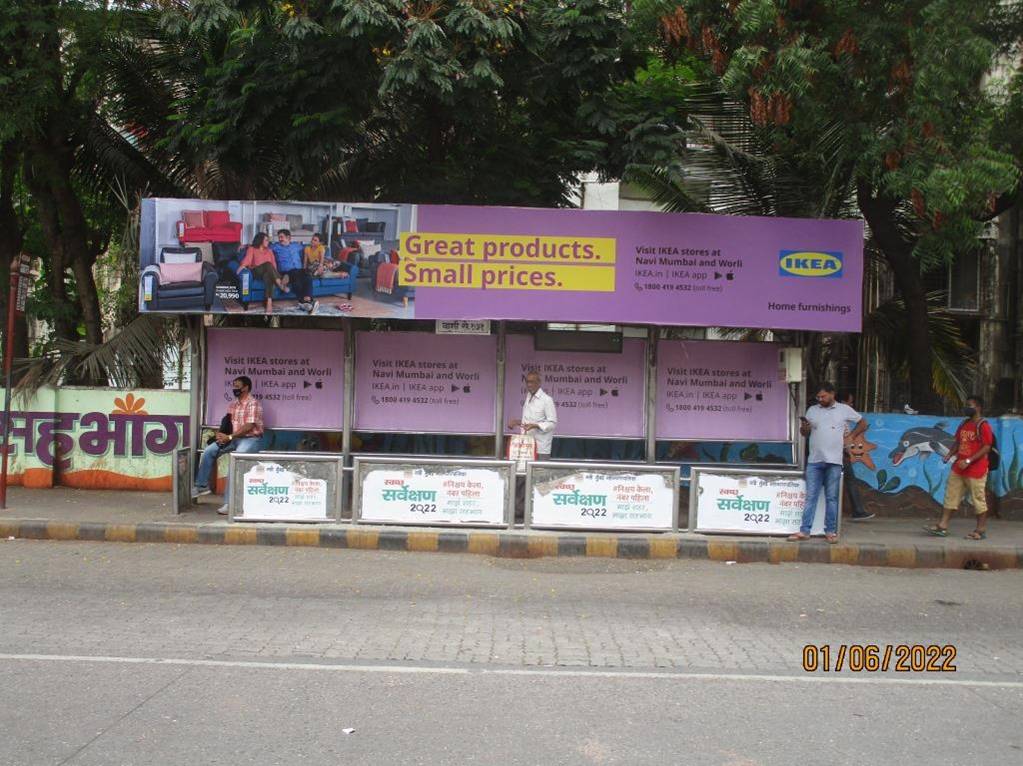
670, 189
142, 345
954, 362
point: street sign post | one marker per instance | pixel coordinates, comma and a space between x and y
16, 299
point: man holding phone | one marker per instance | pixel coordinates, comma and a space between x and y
826, 423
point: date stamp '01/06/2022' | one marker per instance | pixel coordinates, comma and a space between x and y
878, 658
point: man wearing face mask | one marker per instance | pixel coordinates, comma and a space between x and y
973, 442
246, 416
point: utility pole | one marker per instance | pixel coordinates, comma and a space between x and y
18, 295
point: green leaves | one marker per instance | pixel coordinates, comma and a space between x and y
886, 484
906, 104
361, 17
755, 17
206, 16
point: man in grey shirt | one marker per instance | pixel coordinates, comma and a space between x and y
826, 424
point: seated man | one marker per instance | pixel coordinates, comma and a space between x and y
246, 415
289, 264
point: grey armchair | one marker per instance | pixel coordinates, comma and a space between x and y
179, 280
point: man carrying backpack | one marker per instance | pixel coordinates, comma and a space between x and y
974, 441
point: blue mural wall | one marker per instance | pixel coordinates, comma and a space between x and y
901, 451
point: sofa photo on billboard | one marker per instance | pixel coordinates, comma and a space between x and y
192, 253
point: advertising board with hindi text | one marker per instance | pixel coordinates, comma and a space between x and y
285, 487
751, 502
599, 496
433, 492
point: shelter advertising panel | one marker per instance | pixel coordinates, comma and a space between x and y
720, 390
297, 375
751, 502
601, 496
434, 492
596, 394
415, 381
463, 262
285, 487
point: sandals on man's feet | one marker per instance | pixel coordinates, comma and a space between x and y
936, 531
976, 535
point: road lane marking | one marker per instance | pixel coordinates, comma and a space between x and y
549, 672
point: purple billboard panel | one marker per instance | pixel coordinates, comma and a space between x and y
405, 261
297, 375
596, 394
417, 381
710, 390
634, 267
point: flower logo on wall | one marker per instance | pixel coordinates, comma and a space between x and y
129, 405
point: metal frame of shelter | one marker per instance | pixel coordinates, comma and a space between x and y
347, 332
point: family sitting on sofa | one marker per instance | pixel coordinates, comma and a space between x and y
291, 267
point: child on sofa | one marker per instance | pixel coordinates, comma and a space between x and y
259, 259
314, 257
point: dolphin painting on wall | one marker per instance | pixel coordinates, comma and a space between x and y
922, 442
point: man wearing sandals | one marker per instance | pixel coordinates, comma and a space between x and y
826, 423
973, 441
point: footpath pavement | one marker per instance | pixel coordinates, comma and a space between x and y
96, 515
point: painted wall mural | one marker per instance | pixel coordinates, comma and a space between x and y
904, 455
97, 438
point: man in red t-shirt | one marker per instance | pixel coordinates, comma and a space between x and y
973, 441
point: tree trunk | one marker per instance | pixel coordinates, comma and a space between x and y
48, 164
65, 227
879, 213
88, 299
10, 243
64, 316
921, 356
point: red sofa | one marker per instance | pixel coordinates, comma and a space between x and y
208, 226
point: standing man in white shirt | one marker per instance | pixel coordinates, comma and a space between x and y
826, 424
539, 416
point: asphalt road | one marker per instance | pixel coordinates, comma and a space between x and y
142, 654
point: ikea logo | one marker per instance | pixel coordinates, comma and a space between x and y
803, 263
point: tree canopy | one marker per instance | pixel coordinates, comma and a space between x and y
915, 104
459, 101
908, 113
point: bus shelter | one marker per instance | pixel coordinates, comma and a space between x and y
429, 317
